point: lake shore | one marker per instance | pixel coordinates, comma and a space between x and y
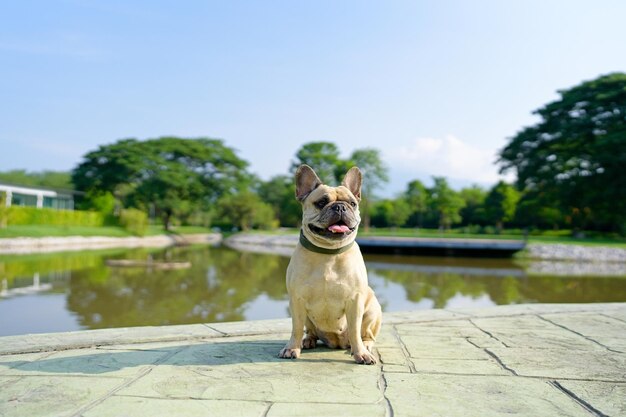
24, 245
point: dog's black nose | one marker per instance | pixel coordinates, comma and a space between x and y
339, 207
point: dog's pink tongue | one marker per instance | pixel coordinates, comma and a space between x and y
336, 228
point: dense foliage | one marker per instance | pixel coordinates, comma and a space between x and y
574, 158
46, 179
172, 176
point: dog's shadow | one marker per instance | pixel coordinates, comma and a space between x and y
105, 360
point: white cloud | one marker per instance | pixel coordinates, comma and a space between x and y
449, 157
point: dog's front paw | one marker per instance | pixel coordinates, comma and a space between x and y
364, 357
287, 353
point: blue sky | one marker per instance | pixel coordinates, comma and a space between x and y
437, 86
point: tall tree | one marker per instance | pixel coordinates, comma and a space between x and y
374, 175
279, 192
446, 202
246, 210
574, 157
48, 179
474, 210
390, 213
501, 203
323, 157
174, 175
416, 196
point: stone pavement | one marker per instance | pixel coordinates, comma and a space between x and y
525, 360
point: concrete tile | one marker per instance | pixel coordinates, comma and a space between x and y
52, 395
564, 363
421, 316
318, 409
590, 324
156, 407
454, 329
455, 395
459, 366
9, 363
392, 355
559, 339
611, 342
618, 314
530, 322
609, 399
89, 362
229, 370
504, 310
396, 368
442, 348
386, 337
240, 328
485, 342
92, 338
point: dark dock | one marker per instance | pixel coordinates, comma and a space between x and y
492, 248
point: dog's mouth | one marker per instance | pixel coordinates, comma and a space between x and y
336, 230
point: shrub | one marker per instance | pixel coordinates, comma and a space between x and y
4, 211
18, 215
135, 221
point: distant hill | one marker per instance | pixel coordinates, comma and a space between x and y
46, 179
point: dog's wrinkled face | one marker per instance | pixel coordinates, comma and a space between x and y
330, 215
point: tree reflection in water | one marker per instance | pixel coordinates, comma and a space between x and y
223, 285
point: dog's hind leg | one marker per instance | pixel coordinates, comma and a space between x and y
311, 336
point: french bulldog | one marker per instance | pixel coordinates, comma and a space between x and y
329, 297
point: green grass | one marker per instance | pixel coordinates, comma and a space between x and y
555, 237
109, 231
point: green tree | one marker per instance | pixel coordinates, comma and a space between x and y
574, 157
474, 211
390, 213
374, 174
174, 175
416, 196
246, 210
46, 179
501, 203
279, 192
323, 157
446, 202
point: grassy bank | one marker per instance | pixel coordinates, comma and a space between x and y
555, 237
109, 231
546, 237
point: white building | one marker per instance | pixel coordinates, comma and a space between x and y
37, 197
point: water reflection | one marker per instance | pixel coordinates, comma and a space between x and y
73, 290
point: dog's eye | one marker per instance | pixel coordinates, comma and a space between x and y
321, 204
352, 203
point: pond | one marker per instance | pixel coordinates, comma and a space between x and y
78, 290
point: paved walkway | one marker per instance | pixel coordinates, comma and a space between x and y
526, 360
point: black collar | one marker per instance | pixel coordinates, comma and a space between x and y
308, 245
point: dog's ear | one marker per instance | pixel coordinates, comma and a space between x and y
352, 181
306, 181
